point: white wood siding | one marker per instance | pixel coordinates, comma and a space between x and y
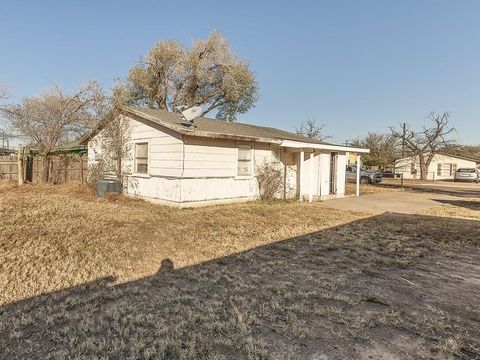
316, 174
218, 158
210, 158
341, 166
165, 147
324, 174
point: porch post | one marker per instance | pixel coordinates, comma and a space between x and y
300, 170
357, 193
310, 187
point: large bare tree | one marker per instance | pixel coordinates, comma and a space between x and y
114, 137
208, 74
425, 144
383, 149
55, 117
312, 130
470, 151
3, 92
4, 136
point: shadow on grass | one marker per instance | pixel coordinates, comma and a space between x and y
393, 285
459, 192
471, 205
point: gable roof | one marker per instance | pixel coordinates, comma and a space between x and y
204, 126
444, 154
211, 128
5, 151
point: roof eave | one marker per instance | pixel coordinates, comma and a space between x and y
442, 154
307, 145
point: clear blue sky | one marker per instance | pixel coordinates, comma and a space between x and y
354, 65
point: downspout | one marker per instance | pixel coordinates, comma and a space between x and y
320, 174
282, 157
183, 166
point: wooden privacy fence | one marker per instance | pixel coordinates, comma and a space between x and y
9, 168
63, 168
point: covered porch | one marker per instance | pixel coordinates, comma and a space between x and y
320, 169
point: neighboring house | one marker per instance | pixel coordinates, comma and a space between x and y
352, 159
7, 152
442, 167
214, 160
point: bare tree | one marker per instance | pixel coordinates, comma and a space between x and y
114, 137
312, 130
426, 143
208, 74
3, 92
383, 149
470, 151
55, 118
3, 134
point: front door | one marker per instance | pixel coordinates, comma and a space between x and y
333, 173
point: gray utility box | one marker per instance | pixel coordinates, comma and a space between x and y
105, 186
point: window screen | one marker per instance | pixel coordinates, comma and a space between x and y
244, 161
454, 169
141, 158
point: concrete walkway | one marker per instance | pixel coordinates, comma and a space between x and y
406, 202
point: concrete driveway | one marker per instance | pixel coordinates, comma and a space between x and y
410, 201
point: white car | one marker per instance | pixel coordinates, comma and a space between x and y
467, 174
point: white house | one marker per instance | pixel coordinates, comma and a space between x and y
175, 162
442, 167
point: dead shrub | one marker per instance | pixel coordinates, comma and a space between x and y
96, 172
270, 180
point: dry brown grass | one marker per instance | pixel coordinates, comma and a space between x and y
461, 209
59, 236
242, 285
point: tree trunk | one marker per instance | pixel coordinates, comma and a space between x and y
119, 170
423, 167
423, 172
46, 168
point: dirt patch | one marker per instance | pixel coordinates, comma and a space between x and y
229, 282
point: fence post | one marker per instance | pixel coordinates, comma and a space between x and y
65, 170
29, 167
21, 163
81, 170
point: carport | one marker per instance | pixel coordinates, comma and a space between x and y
321, 168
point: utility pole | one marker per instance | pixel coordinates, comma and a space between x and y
404, 133
5, 139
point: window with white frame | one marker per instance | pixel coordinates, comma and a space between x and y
446, 169
453, 170
414, 167
439, 169
276, 155
244, 164
141, 158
